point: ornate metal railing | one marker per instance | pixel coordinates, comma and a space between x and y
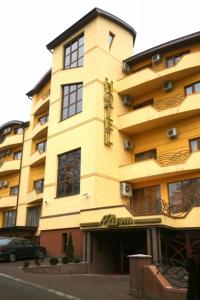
174, 271
169, 102
173, 157
147, 207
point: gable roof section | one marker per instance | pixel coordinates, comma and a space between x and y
180, 42
40, 84
85, 20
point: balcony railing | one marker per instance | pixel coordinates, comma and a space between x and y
161, 207
169, 102
171, 158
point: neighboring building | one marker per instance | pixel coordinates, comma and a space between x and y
112, 150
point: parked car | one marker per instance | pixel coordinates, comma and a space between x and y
12, 248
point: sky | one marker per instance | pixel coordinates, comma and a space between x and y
27, 26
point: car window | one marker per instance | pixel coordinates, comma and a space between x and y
18, 243
27, 243
4, 242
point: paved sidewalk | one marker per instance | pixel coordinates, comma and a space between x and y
86, 287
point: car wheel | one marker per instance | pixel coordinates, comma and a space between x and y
40, 254
12, 257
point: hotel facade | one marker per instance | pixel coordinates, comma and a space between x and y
111, 152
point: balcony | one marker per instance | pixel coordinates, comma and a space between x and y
6, 202
41, 105
37, 158
147, 80
10, 166
167, 164
34, 197
12, 141
166, 111
39, 131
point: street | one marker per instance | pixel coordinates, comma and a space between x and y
16, 284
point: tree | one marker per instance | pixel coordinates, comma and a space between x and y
70, 249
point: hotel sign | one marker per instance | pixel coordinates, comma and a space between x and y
108, 101
110, 221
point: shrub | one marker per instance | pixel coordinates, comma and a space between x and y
65, 260
77, 260
53, 261
26, 264
37, 262
70, 249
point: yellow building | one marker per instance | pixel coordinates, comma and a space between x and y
111, 154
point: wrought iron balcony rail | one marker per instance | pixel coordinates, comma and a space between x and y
169, 102
147, 207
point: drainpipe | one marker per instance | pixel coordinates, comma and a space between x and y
20, 174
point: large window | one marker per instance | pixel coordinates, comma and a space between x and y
69, 173
146, 155
184, 193
33, 216
146, 200
74, 53
71, 100
192, 88
9, 218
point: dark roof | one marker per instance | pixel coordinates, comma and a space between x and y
180, 42
85, 20
40, 84
13, 123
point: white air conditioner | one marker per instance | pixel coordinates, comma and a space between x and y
126, 189
168, 86
172, 133
126, 68
127, 100
128, 145
5, 183
156, 58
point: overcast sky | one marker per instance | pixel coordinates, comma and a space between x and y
26, 26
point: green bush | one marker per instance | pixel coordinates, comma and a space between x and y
70, 249
26, 264
65, 260
53, 261
37, 262
77, 260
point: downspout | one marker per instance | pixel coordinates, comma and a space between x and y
20, 174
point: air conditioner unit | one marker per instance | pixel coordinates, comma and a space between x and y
168, 86
127, 100
172, 133
126, 189
156, 58
7, 130
126, 68
128, 145
5, 183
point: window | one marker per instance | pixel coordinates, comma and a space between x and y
39, 185
33, 216
184, 193
9, 218
192, 88
194, 144
43, 119
146, 200
14, 190
171, 61
74, 53
143, 104
111, 38
18, 130
71, 100
18, 155
41, 147
69, 173
146, 155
